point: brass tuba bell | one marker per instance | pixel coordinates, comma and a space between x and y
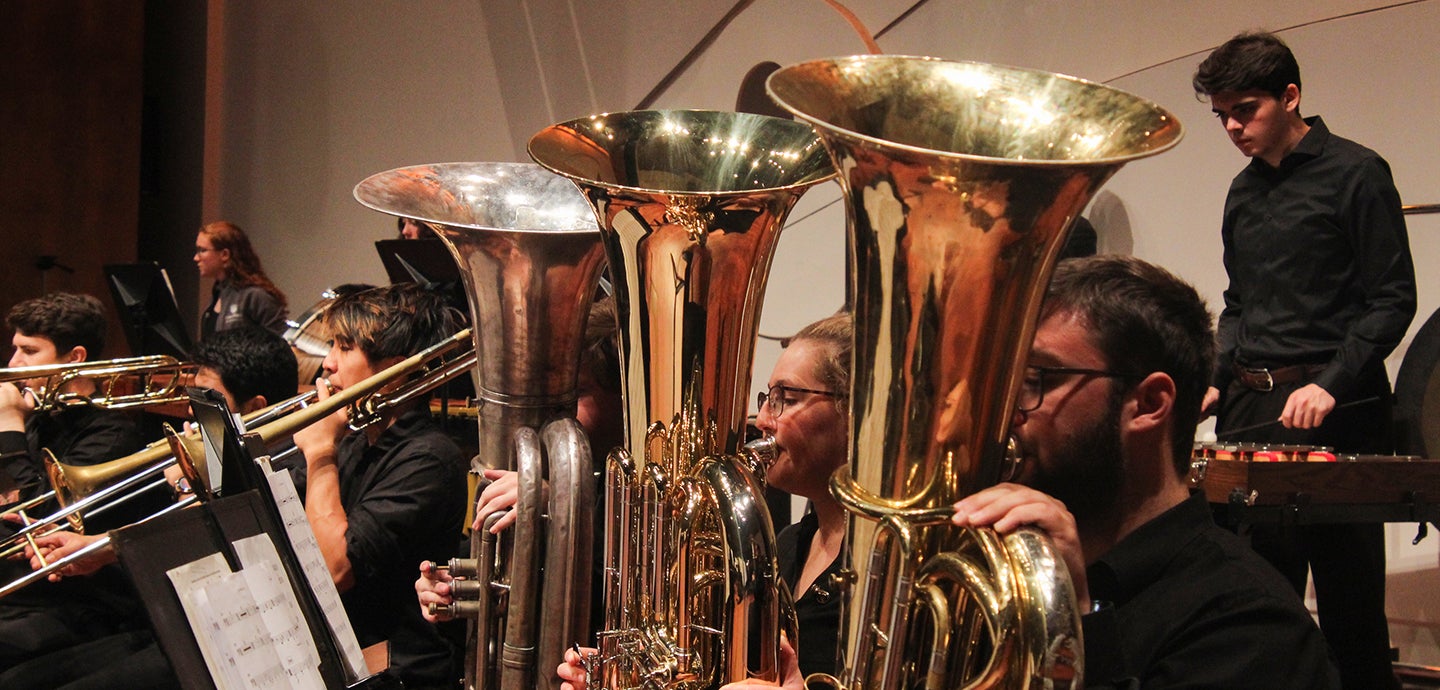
690, 205
529, 254
961, 182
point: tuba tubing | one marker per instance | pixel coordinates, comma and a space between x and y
961, 181
690, 206
529, 254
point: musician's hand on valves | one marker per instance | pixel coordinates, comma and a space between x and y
572, 670
317, 441
433, 587
1007, 507
57, 545
1307, 407
790, 676
502, 493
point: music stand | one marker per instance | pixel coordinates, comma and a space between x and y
426, 261
148, 311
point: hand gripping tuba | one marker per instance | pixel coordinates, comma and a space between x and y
529, 254
690, 206
961, 182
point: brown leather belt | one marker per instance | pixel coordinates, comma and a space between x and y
1265, 380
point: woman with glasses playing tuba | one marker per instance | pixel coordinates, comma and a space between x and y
805, 408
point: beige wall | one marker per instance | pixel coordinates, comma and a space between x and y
316, 95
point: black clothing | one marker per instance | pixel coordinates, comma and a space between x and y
76, 434
124, 661
250, 305
48, 616
1187, 603
817, 609
404, 498
1320, 274
1082, 241
1347, 560
1319, 263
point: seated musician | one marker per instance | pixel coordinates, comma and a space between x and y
806, 409
251, 367
384, 498
1106, 420
45, 617
59, 328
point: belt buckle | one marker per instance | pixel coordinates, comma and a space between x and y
1253, 379
1269, 382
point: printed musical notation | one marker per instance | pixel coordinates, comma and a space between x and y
248, 625
302, 538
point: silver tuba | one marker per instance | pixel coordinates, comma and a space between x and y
529, 255
690, 205
961, 182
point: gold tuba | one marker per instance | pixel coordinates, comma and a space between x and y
961, 182
690, 205
530, 255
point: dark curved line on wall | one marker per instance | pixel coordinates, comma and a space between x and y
1292, 27
900, 19
700, 47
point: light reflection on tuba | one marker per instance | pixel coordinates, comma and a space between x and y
529, 254
690, 205
961, 182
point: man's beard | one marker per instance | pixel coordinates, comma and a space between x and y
1087, 472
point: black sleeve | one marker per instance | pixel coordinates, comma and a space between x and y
15, 461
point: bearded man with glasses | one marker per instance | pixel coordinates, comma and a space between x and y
1105, 422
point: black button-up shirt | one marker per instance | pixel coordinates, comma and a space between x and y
404, 498
1187, 604
817, 609
1319, 262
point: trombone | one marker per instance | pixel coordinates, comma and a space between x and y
120, 384
82, 490
368, 400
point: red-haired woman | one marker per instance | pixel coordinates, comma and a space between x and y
242, 295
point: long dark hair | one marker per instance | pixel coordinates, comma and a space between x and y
244, 269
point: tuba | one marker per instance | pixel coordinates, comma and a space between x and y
690, 205
961, 182
530, 256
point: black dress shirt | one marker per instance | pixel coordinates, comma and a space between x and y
1319, 263
75, 434
404, 498
817, 608
1187, 604
49, 616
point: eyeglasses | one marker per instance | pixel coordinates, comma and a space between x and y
777, 398
1032, 389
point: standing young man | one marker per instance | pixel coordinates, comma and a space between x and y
1322, 289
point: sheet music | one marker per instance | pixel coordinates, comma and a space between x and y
248, 625
307, 549
280, 611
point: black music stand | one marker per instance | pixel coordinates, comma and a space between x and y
148, 311
426, 262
